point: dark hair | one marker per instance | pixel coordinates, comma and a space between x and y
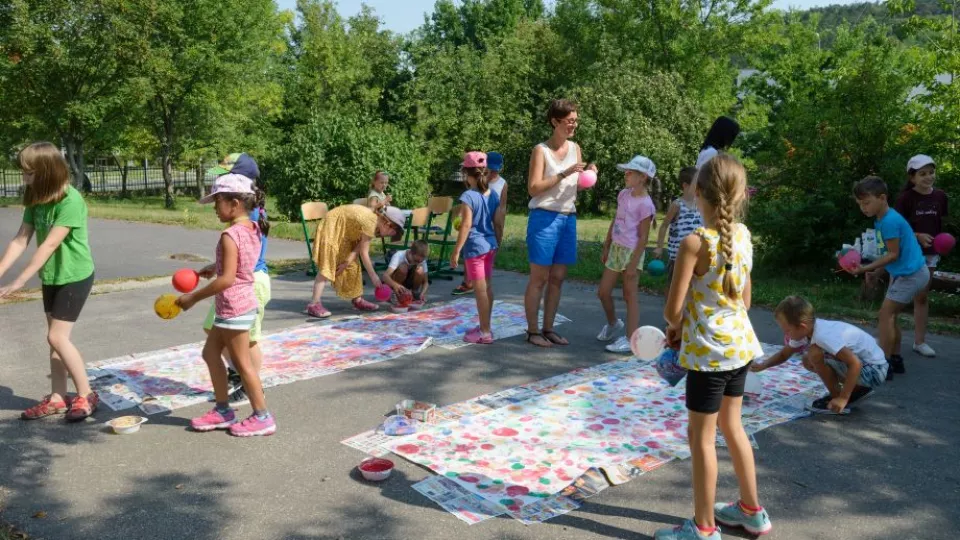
480, 174
560, 109
722, 133
871, 185
688, 175
420, 247
248, 200
910, 172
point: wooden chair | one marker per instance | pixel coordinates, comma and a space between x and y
416, 221
361, 202
312, 212
437, 235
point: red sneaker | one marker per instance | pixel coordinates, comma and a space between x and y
82, 407
361, 304
44, 409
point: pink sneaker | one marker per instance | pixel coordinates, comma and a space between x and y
253, 426
478, 337
361, 304
317, 311
214, 420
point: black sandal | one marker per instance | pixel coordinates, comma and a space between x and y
531, 335
556, 339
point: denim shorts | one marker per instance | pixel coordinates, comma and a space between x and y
871, 375
551, 238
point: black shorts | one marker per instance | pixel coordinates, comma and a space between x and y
706, 389
64, 302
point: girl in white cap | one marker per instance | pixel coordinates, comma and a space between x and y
924, 207
624, 248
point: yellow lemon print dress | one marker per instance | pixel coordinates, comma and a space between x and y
717, 334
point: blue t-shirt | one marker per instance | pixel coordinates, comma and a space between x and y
262, 261
482, 239
911, 259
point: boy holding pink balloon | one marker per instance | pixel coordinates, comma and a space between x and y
624, 248
924, 208
901, 256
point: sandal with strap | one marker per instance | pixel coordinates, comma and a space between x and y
361, 304
555, 338
45, 408
531, 335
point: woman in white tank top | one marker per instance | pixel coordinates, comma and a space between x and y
555, 167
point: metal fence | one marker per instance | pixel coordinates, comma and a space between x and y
110, 180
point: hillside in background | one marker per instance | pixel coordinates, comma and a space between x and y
834, 15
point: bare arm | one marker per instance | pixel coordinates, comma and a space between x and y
893, 253
667, 220
44, 251
643, 236
747, 293
687, 257
466, 223
16, 247
775, 360
500, 219
231, 258
363, 249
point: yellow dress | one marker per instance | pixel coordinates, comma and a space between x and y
337, 237
717, 334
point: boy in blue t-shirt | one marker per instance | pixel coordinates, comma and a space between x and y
901, 255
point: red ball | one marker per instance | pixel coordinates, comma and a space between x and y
405, 299
186, 280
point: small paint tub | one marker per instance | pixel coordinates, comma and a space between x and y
125, 425
376, 469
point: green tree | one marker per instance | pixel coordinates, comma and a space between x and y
212, 81
69, 70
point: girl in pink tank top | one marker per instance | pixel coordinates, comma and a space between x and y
236, 310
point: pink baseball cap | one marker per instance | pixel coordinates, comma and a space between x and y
229, 183
474, 159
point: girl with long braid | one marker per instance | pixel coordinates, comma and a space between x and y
706, 314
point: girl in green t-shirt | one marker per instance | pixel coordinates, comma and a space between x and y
58, 214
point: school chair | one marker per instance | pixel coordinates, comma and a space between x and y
361, 202
310, 212
437, 235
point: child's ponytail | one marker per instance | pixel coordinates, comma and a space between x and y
260, 201
722, 183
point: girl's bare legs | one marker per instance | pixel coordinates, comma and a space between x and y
218, 372
551, 303
632, 297
65, 359
921, 311
238, 345
484, 296
319, 284
702, 432
256, 356
741, 453
605, 293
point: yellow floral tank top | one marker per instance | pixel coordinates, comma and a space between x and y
717, 334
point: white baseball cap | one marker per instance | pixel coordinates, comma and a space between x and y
640, 164
919, 161
229, 183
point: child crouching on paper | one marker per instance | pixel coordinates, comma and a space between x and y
848, 360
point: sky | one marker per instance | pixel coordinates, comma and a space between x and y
404, 15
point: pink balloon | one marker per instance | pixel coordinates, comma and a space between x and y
850, 260
587, 179
943, 243
382, 293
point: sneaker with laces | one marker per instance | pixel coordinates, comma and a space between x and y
860, 393
254, 426
687, 531
82, 407
214, 419
732, 515
620, 346
822, 406
608, 331
45, 408
896, 364
362, 304
924, 350
317, 311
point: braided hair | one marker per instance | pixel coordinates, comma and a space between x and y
722, 183
260, 201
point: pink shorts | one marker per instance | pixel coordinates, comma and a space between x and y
481, 267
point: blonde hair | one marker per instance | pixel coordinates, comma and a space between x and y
795, 310
722, 183
51, 175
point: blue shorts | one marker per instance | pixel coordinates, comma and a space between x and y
551, 238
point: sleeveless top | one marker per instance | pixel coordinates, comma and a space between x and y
239, 298
717, 334
563, 196
686, 221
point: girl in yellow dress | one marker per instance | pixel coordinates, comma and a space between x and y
342, 238
706, 313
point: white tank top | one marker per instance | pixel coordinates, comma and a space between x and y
563, 196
